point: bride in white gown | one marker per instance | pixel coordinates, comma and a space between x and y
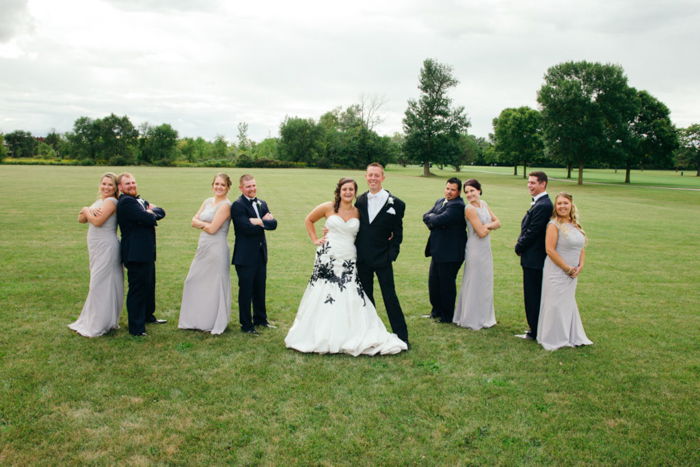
335, 315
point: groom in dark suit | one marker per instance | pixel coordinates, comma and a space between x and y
137, 220
251, 218
448, 237
378, 243
531, 248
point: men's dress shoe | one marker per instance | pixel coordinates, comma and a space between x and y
428, 316
526, 336
143, 334
267, 325
250, 331
158, 321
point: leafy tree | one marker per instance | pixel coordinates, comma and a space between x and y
267, 149
220, 148
20, 143
469, 151
56, 141
158, 145
301, 140
3, 148
244, 144
431, 125
651, 138
586, 108
518, 136
45, 151
688, 155
111, 139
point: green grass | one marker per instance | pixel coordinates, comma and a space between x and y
457, 397
649, 178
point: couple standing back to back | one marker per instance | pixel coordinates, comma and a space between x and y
362, 240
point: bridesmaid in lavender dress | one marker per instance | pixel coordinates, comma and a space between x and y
559, 323
206, 298
106, 296
474, 308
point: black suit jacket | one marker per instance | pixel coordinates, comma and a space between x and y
138, 229
373, 243
533, 230
250, 239
448, 231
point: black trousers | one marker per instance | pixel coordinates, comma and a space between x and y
251, 289
141, 297
385, 275
442, 289
532, 291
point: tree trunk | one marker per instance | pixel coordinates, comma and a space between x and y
628, 169
515, 169
426, 169
568, 170
525, 170
698, 174
580, 173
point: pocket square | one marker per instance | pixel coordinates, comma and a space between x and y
391, 211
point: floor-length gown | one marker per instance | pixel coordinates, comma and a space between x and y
206, 297
560, 324
335, 315
474, 309
106, 296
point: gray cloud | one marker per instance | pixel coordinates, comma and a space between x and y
15, 19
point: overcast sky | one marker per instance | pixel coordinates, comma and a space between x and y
205, 65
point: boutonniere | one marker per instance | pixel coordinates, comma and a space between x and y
444, 202
390, 201
257, 201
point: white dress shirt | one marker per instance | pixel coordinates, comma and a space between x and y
375, 203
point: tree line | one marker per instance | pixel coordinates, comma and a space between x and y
588, 117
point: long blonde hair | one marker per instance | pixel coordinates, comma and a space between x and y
573, 215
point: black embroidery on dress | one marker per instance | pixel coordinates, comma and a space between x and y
324, 270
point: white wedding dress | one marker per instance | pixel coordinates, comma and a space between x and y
335, 315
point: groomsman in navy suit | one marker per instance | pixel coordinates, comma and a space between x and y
137, 219
251, 218
378, 243
531, 249
448, 237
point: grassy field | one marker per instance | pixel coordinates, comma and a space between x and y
457, 397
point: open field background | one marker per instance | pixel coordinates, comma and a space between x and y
457, 397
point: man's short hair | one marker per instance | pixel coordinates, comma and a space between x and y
122, 176
540, 176
456, 181
376, 164
245, 178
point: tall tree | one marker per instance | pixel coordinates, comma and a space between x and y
652, 138
431, 125
20, 143
689, 152
3, 148
518, 136
301, 140
586, 108
158, 145
243, 141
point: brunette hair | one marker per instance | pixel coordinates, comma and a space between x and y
541, 176
341, 182
223, 176
473, 182
455, 181
112, 176
245, 178
573, 215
